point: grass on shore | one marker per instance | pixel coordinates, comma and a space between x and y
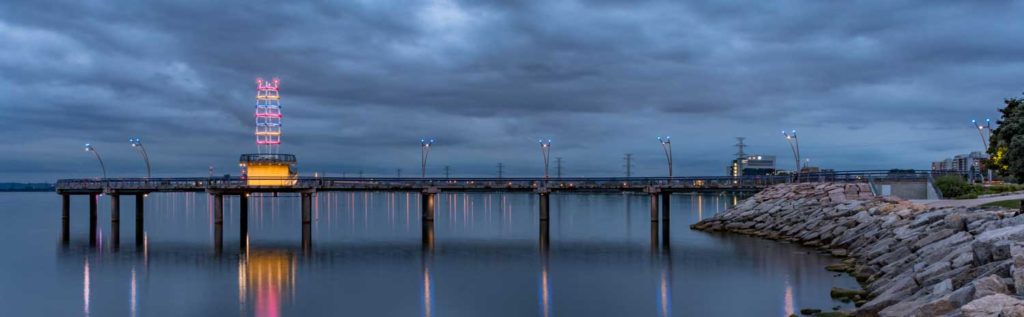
1012, 204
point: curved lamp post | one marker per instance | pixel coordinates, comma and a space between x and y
545, 149
89, 148
424, 152
794, 145
666, 144
981, 131
984, 141
137, 144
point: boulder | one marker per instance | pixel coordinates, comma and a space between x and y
1017, 267
995, 305
989, 285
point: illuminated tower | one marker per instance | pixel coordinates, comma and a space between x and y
268, 167
268, 116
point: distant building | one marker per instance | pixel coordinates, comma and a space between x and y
963, 163
752, 165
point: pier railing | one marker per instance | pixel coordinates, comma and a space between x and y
483, 183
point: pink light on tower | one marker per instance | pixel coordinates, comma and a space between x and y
268, 116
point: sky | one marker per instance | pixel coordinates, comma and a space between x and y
867, 84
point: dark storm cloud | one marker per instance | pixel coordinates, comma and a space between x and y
868, 84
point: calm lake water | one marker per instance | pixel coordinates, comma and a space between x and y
367, 259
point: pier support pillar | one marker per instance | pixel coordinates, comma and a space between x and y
218, 209
545, 236
243, 219
654, 236
218, 238
666, 202
654, 208
653, 192
115, 221
140, 207
428, 236
428, 203
65, 219
307, 238
218, 223
307, 206
92, 220
545, 203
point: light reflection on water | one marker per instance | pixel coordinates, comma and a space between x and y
368, 259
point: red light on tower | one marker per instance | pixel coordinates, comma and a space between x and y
268, 116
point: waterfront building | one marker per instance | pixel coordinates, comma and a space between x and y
752, 165
973, 162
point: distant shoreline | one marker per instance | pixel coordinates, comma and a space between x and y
26, 187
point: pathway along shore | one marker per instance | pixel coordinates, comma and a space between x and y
911, 260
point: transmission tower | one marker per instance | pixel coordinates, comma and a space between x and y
501, 169
447, 171
740, 155
629, 164
268, 116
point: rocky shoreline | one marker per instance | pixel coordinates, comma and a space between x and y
910, 259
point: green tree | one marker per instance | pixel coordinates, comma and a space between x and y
1006, 147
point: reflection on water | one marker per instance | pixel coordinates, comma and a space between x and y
268, 279
485, 254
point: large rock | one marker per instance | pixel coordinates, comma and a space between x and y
989, 285
996, 305
1017, 267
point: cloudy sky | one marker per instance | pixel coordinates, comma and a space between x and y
868, 85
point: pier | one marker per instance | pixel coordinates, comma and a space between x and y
659, 189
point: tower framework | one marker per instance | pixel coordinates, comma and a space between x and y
268, 116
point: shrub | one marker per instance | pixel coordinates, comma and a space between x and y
953, 186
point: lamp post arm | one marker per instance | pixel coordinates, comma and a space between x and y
102, 166
145, 157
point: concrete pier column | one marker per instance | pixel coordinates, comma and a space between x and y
115, 208
545, 235
428, 203
65, 219
218, 209
243, 219
654, 236
218, 238
428, 236
115, 221
545, 203
307, 207
654, 208
140, 207
92, 219
666, 202
307, 238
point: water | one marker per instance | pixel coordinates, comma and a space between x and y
367, 260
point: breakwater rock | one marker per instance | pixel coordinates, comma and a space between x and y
910, 259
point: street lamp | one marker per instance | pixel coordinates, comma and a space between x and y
89, 148
545, 149
794, 145
666, 144
424, 152
981, 129
137, 144
984, 141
